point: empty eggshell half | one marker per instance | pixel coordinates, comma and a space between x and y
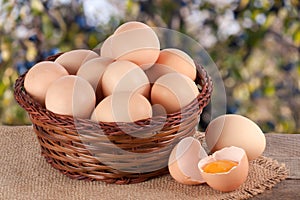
72, 60
179, 61
92, 71
229, 180
184, 159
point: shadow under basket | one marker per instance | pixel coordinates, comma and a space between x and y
120, 153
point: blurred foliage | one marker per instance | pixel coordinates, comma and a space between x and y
255, 44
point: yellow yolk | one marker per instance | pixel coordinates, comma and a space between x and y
219, 166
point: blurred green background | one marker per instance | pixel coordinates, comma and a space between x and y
255, 44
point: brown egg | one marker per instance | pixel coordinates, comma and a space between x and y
178, 61
135, 42
106, 48
92, 71
184, 159
39, 78
71, 95
235, 130
125, 76
122, 107
156, 71
130, 26
72, 60
173, 91
226, 169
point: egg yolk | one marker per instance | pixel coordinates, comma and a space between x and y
219, 166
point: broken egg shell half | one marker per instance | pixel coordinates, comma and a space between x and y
232, 179
183, 161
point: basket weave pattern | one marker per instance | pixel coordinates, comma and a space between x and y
75, 146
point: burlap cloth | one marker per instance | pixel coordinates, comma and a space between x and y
24, 174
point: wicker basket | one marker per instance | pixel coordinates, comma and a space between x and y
73, 146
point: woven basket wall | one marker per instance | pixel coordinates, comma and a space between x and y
118, 153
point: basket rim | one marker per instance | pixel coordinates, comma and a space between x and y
33, 107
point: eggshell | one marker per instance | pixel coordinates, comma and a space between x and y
135, 42
183, 161
156, 71
72, 60
173, 91
92, 71
39, 78
179, 61
235, 130
130, 26
125, 76
71, 95
106, 48
144, 58
122, 107
234, 178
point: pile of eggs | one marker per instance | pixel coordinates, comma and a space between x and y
121, 84
233, 140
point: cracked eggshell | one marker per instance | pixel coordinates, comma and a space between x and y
183, 161
232, 179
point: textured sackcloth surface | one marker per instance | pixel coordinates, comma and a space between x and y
25, 174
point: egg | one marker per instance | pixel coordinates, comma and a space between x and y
156, 71
132, 25
92, 71
226, 169
184, 159
125, 76
39, 78
235, 130
72, 60
135, 42
71, 95
173, 91
106, 48
122, 107
179, 61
